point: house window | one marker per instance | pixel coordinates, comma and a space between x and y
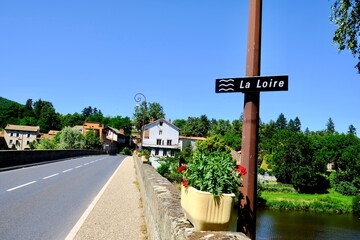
11, 134
168, 142
17, 134
156, 152
158, 141
160, 132
28, 135
161, 123
27, 142
172, 153
164, 152
147, 134
11, 141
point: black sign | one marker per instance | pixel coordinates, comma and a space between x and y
252, 84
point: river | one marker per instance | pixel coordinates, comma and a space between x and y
281, 225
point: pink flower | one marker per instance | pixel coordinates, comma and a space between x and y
242, 170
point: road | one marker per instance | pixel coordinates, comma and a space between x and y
46, 201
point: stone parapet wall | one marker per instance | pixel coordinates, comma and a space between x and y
164, 217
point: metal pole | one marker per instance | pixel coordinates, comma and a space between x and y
249, 148
139, 97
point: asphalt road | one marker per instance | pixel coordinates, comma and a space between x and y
46, 201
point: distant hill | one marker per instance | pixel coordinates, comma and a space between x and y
5, 103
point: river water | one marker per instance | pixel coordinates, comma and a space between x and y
281, 225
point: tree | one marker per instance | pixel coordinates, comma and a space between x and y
345, 15
45, 144
86, 112
180, 123
92, 141
70, 120
196, 126
71, 138
295, 125
219, 127
281, 122
141, 116
47, 118
28, 108
330, 127
352, 130
156, 111
124, 123
293, 162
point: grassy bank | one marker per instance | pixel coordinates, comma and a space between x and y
331, 202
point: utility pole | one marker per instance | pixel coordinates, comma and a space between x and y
251, 86
249, 148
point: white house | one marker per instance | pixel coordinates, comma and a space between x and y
19, 137
183, 140
161, 138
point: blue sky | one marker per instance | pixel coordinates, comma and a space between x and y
101, 53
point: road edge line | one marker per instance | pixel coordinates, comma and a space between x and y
87, 212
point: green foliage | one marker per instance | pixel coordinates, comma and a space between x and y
330, 126
46, 144
156, 111
330, 203
169, 169
345, 15
145, 112
356, 204
126, 151
213, 172
212, 144
71, 139
92, 141
186, 153
281, 122
294, 125
144, 152
196, 126
278, 187
306, 181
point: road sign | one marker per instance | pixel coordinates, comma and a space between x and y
252, 84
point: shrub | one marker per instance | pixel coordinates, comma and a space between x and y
169, 169
346, 188
356, 204
126, 151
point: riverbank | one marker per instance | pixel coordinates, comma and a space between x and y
331, 202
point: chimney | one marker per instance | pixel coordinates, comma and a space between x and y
169, 120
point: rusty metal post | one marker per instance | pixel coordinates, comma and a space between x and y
249, 148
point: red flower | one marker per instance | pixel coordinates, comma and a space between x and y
181, 168
184, 183
242, 170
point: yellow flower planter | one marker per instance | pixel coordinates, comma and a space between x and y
206, 211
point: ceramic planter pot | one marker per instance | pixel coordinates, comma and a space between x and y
206, 211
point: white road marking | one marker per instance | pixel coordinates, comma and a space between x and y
20, 186
50, 176
53, 175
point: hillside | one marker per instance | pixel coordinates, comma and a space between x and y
5, 103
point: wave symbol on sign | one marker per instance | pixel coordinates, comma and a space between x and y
228, 85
